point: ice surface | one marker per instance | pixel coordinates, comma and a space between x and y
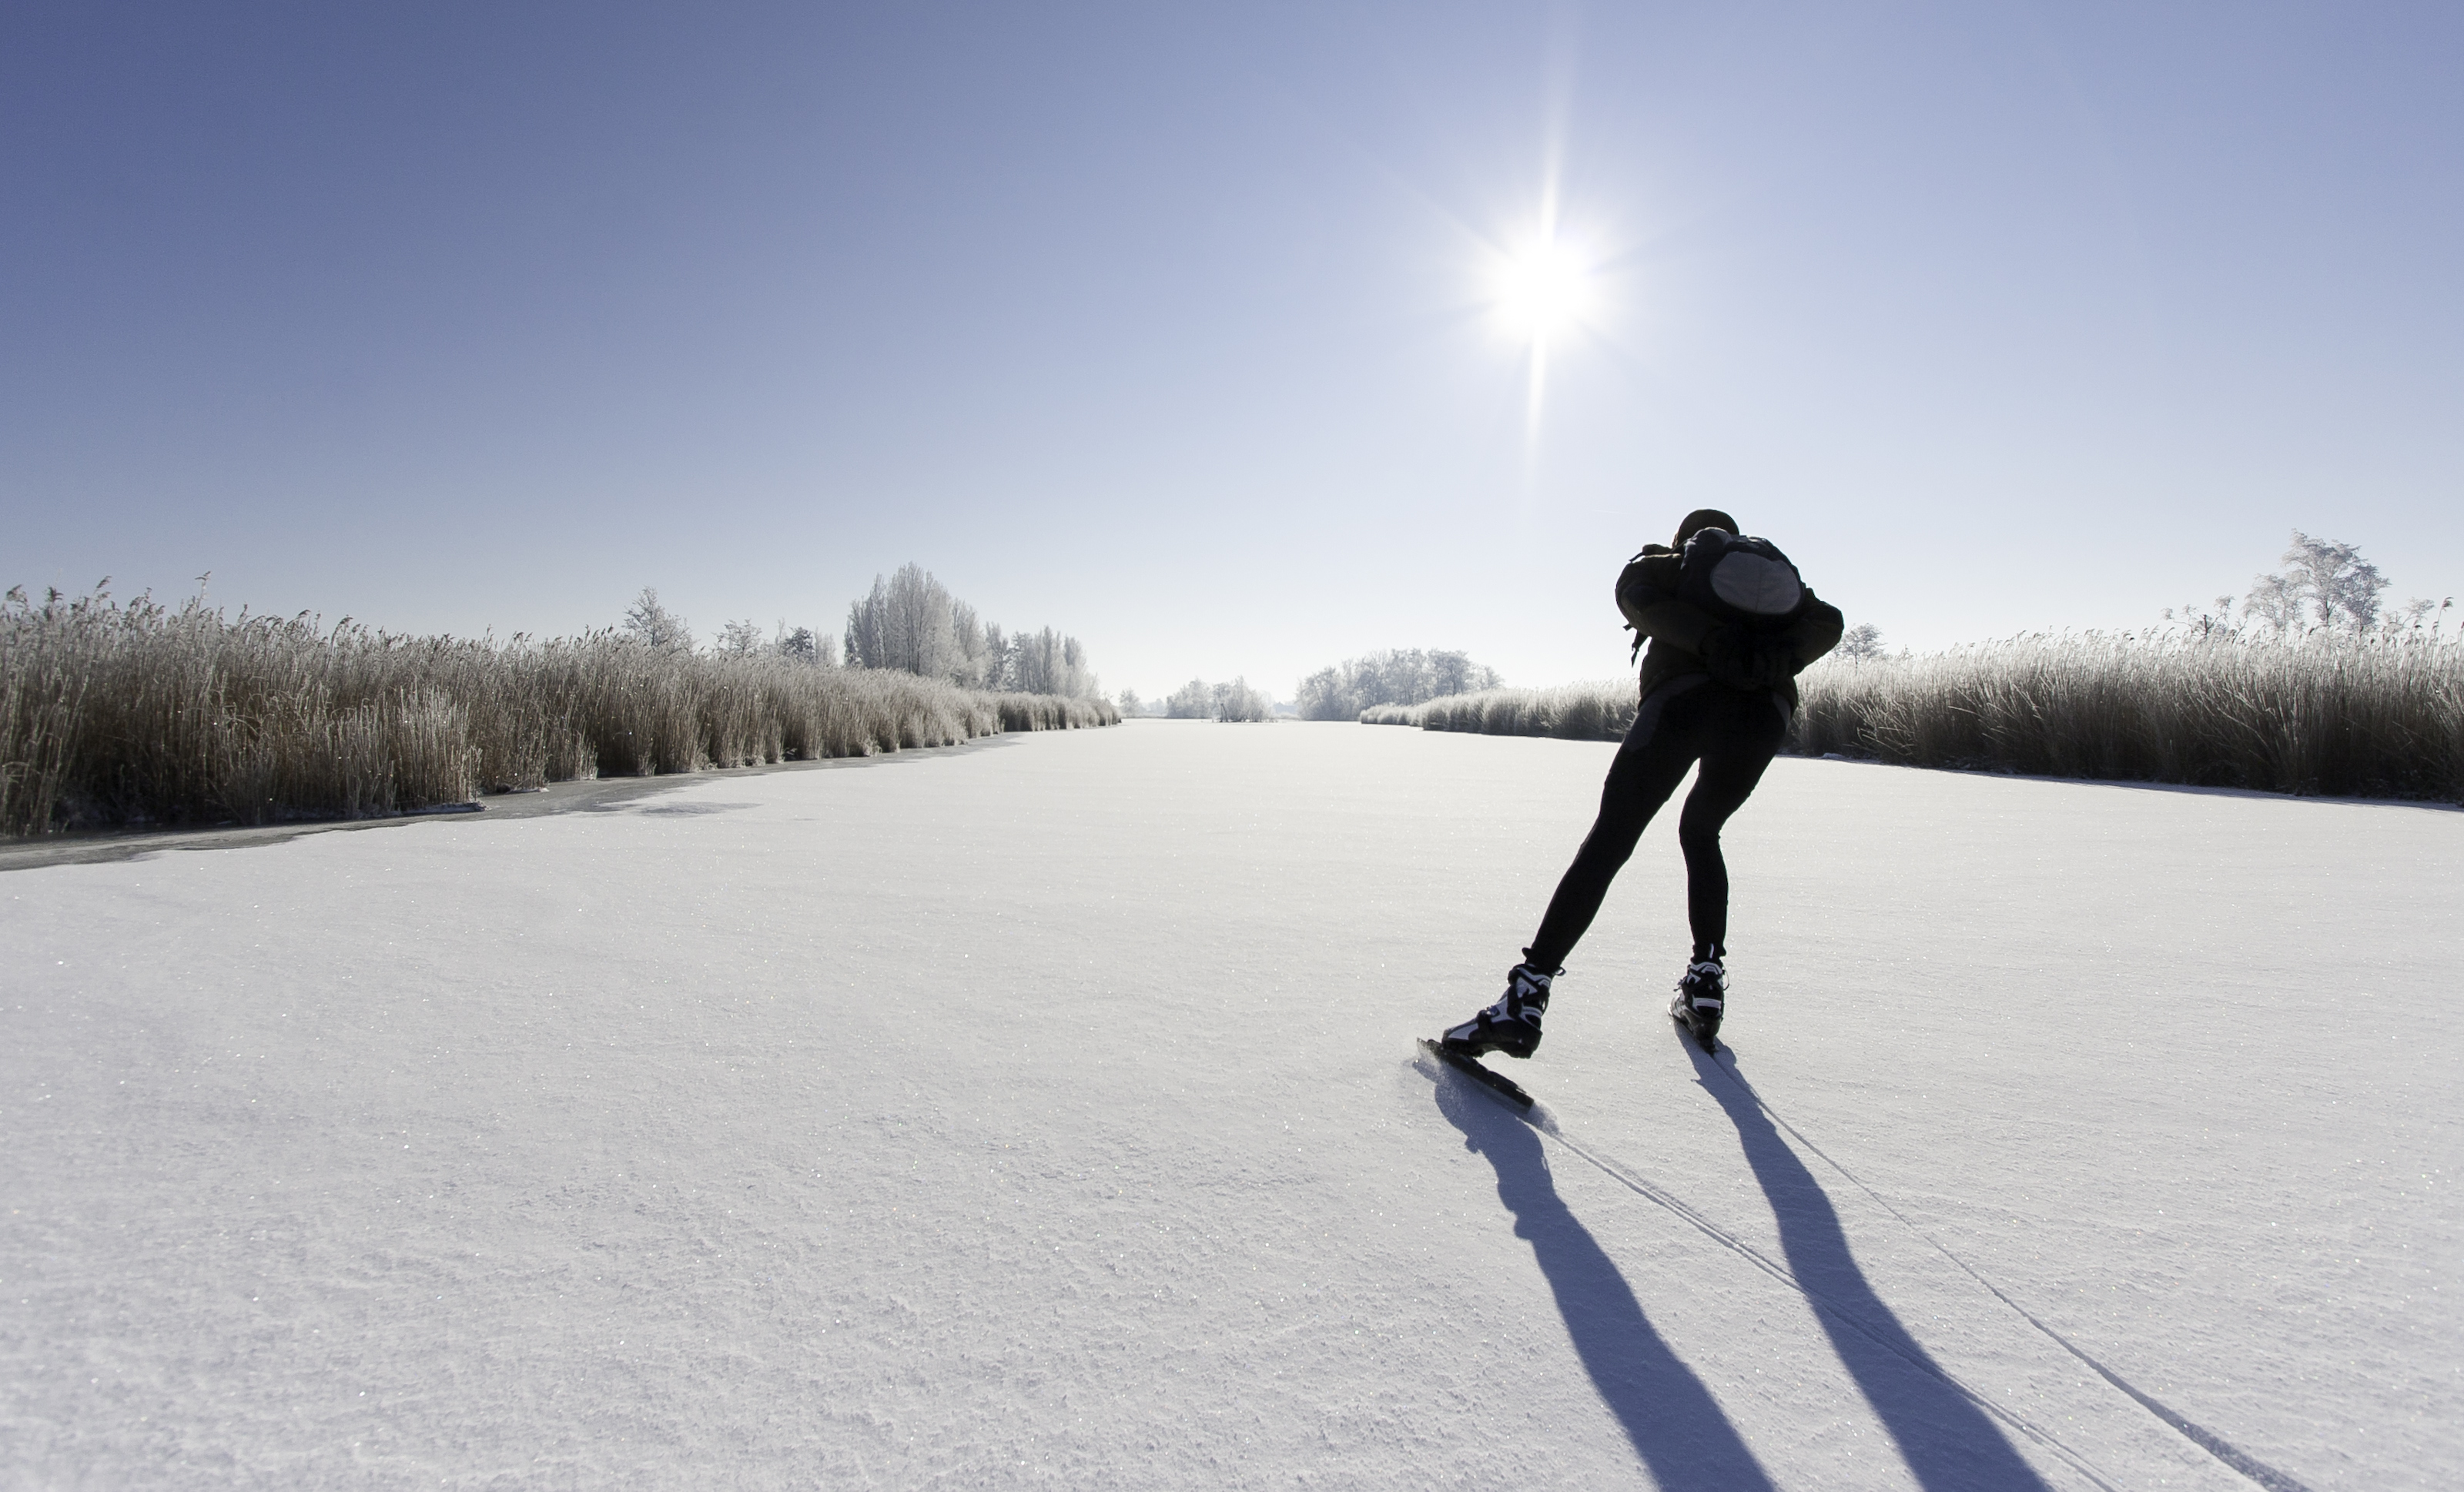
1049, 1114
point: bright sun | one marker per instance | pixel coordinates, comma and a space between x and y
1543, 289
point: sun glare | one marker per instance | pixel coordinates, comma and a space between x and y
1543, 289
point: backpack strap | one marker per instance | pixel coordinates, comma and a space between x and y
1636, 651
1639, 554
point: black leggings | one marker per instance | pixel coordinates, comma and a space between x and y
1735, 734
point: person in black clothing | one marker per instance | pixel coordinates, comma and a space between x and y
1730, 625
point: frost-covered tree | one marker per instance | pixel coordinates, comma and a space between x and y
1192, 701
906, 622
975, 666
805, 645
2204, 621
1455, 674
1132, 704
1238, 701
2274, 599
2340, 585
1199, 700
1035, 662
649, 622
1047, 663
997, 660
742, 639
2322, 582
1860, 641
911, 621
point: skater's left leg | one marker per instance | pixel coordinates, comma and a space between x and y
1738, 750
1741, 741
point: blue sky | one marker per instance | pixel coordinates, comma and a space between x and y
1170, 326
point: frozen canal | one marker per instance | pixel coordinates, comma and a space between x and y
1047, 1113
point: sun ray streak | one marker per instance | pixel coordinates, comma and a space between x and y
1535, 394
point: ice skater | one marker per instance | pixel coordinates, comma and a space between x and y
1730, 625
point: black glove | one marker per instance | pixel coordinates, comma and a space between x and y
1774, 663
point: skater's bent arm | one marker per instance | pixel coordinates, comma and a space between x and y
1815, 631
1647, 594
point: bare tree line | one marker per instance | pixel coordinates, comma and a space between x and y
2323, 584
1199, 700
910, 623
649, 622
1399, 676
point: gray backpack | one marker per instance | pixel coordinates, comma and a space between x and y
1738, 578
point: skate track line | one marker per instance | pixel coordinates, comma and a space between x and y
1540, 1118
2223, 1450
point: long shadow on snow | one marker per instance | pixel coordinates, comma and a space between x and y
1948, 1443
1675, 1424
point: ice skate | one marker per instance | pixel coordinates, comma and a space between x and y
1512, 1024
1701, 997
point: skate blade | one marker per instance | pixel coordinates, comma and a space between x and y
1709, 1044
1479, 1072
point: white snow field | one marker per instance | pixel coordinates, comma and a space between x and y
1046, 1112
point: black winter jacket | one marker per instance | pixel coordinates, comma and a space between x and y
1679, 631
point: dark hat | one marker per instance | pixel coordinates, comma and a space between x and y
1702, 518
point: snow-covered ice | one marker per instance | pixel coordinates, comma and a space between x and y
1048, 1112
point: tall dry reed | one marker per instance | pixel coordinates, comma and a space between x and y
2333, 713
1597, 711
142, 713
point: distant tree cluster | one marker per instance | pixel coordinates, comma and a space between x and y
646, 621
912, 622
2324, 585
1405, 676
1199, 700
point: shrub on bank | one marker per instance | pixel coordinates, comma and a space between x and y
1597, 711
142, 714
1236, 702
